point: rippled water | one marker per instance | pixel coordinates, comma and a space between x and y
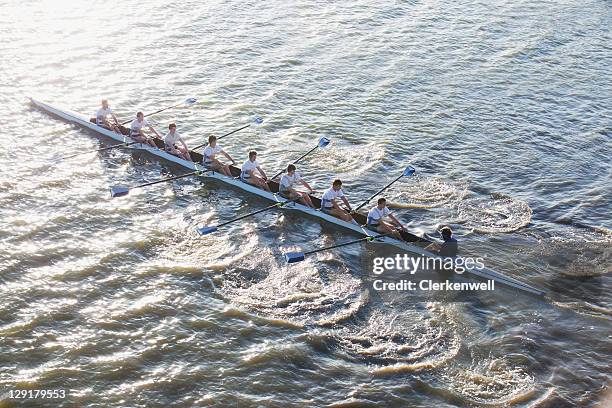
503, 107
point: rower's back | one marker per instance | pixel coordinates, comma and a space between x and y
450, 246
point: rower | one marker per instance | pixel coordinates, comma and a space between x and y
285, 187
211, 162
102, 117
329, 204
170, 141
376, 223
136, 132
450, 246
248, 172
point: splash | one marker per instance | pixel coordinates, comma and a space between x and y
399, 341
579, 253
582, 258
497, 213
427, 192
305, 295
490, 382
351, 161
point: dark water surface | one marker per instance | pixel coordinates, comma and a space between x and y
503, 107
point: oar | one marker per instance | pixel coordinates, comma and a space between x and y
257, 120
97, 150
293, 257
210, 230
119, 191
187, 102
323, 142
408, 171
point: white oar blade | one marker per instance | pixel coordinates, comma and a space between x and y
409, 171
119, 191
294, 257
324, 142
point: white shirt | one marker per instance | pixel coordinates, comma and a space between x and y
171, 139
210, 151
247, 166
135, 126
102, 113
375, 214
330, 195
287, 181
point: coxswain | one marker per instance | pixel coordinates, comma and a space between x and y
448, 248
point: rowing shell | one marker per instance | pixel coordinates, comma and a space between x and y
410, 242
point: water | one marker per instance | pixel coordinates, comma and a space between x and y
503, 107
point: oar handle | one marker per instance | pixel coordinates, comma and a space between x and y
221, 137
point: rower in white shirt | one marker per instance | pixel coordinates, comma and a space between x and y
102, 115
170, 143
376, 220
248, 175
210, 161
286, 187
136, 132
329, 204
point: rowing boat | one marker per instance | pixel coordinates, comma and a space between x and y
409, 242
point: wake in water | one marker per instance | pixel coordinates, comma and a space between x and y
351, 161
304, 295
427, 192
406, 340
491, 382
494, 214
578, 254
581, 265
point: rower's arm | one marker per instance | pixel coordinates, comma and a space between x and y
115, 118
433, 247
305, 184
228, 156
396, 221
345, 201
262, 172
154, 131
184, 144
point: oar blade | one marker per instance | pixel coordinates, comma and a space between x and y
206, 230
409, 171
119, 191
324, 142
257, 120
294, 257
190, 101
